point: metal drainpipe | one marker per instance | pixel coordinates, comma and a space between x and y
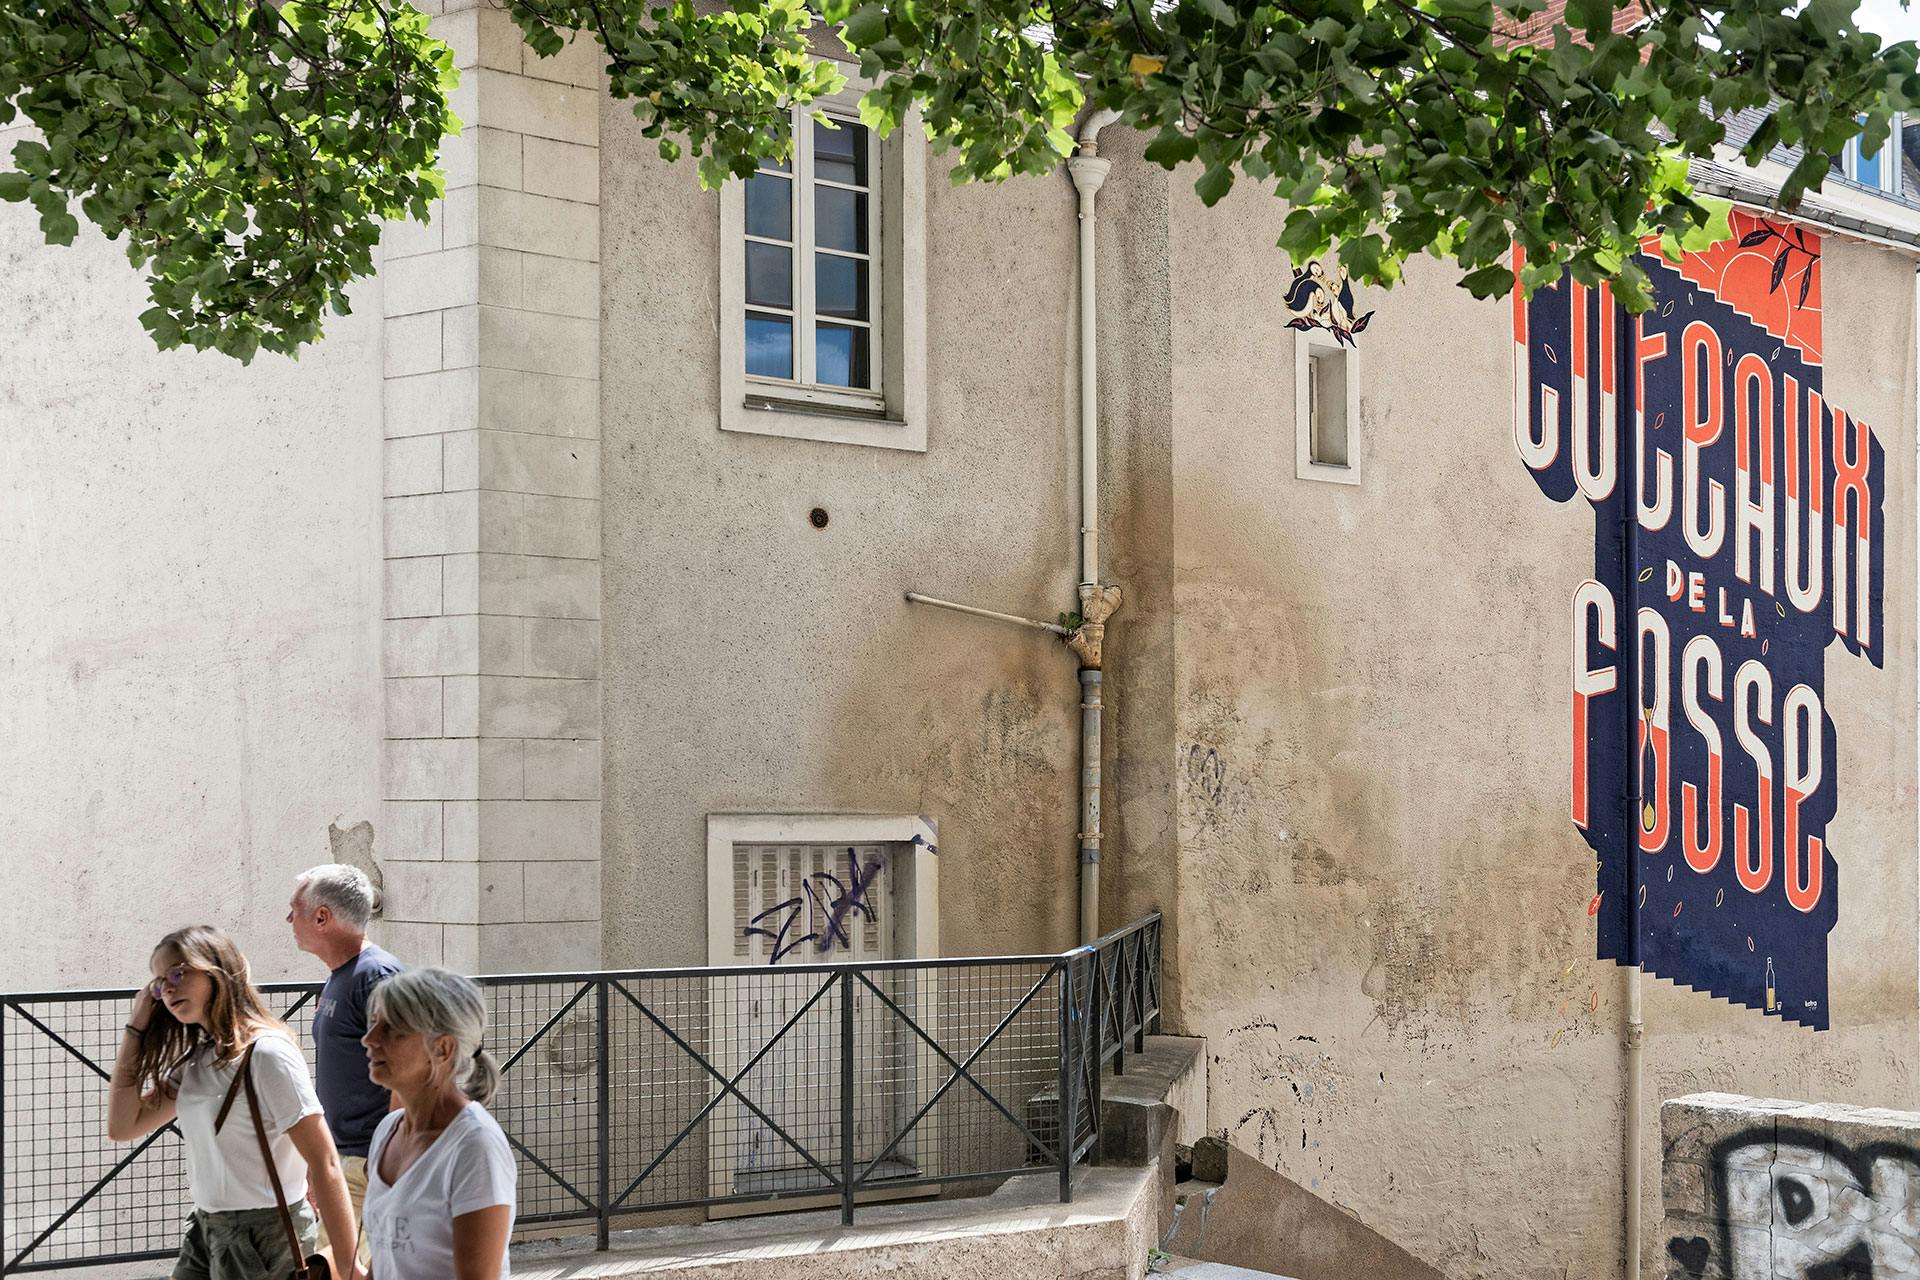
1097, 602
1634, 795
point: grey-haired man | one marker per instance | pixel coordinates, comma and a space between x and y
329, 913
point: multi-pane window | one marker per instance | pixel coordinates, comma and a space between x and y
1894, 169
812, 235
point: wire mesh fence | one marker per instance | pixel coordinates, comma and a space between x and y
627, 1092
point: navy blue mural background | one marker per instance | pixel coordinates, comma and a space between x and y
1701, 930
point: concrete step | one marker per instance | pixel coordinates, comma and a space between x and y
1188, 1269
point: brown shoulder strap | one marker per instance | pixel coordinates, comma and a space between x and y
233, 1091
266, 1153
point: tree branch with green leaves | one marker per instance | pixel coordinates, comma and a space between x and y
248, 149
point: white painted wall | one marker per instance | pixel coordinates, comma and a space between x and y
189, 619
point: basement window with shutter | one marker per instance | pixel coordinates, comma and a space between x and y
1326, 381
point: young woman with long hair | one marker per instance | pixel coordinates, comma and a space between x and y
440, 1173
189, 1034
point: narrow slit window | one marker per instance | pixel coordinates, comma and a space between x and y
1327, 409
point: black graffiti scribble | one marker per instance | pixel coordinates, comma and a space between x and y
831, 897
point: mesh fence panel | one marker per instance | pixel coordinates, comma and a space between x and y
721, 1086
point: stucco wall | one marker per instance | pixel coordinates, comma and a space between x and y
1382, 928
189, 652
754, 663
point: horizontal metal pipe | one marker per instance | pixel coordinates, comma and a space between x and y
1016, 619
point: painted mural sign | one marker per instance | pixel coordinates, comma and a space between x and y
1697, 663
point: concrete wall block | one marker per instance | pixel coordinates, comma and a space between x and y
414, 943
438, 646
552, 465
563, 769
432, 892
460, 579
432, 403
500, 164
460, 830
580, 63
459, 461
412, 466
411, 344
537, 108
502, 893
502, 646
503, 769
413, 587
433, 769
500, 46
544, 404
563, 891
460, 159
539, 948
563, 170
404, 237
568, 648
538, 224
561, 286
523, 707
460, 948
432, 282
413, 707
539, 525
500, 276
460, 707
409, 831
460, 337
461, 32
538, 343
539, 830
539, 587
461, 214
432, 524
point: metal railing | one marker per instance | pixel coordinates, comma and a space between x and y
625, 1093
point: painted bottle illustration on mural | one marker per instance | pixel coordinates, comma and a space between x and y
1649, 769
1772, 1003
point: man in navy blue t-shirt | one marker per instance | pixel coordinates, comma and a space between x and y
329, 913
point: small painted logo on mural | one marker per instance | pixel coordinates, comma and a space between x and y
1755, 543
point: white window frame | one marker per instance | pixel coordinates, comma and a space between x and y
1305, 343
1889, 155
894, 414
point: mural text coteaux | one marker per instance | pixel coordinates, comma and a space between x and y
1738, 533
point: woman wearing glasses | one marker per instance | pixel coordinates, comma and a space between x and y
200, 1049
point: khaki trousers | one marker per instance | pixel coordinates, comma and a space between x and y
355, 1169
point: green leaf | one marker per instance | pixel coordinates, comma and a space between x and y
1214, 184
1172, 147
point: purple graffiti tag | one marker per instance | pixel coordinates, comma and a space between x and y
851, 898
794, 907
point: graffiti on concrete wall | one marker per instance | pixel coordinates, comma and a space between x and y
1794, 1204
1698, 647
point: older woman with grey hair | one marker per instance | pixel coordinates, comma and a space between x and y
440, 1175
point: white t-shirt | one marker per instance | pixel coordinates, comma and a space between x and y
226, 1171
410, 1223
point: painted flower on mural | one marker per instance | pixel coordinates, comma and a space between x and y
1318, 301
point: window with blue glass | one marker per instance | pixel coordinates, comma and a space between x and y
812, 238
1893, 167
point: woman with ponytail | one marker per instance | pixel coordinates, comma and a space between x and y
440, 1175
201, 1050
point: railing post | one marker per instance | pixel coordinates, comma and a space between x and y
1095, 1039
1124, 1009
846, 1097
603, 1118
1140, 989
1068, 1128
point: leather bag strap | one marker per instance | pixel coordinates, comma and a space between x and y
266, 1153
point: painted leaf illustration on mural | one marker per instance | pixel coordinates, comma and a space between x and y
1755, 542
